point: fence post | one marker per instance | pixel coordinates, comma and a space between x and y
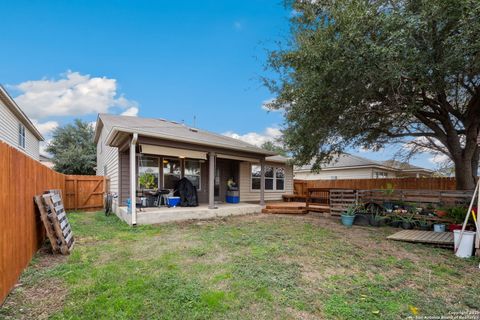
76, 193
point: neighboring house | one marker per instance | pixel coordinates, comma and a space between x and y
46, 161
15, 127
347, 166
129, 146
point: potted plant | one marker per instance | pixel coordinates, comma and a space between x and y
457, 214
349, 216
441, 212
408, 221
361, 216
147, 180
423, 223
395, 221
377, 219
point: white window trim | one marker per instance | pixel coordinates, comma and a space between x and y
22, 138
274, 190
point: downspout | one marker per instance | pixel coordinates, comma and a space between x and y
133, 181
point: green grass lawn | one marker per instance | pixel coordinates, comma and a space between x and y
252, 267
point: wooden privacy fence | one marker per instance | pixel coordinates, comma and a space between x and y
301, 186
21, 178
84, 192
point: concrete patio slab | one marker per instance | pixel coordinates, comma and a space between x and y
164, 214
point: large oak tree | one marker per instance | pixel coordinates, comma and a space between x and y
371, 73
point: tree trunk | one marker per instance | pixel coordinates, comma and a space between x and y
464, 173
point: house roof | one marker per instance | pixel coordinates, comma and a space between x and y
21, 116
170, 130
404, 166
346, 160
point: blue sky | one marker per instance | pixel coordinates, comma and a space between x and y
164, 59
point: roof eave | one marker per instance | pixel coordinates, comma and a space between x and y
98, 129
13, 106
117, 129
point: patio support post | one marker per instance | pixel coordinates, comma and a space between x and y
211, 180
133, 181
262, 182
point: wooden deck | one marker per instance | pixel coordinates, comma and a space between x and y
293, 208
418, 236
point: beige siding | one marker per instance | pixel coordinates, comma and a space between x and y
9, 133
124, 183
247, 194
360, 173
107, 156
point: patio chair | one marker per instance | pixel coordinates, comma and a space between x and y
161, 195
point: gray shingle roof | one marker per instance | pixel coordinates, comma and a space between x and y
344, 160
175, 131
348, 160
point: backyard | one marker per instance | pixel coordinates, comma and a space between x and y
250, 267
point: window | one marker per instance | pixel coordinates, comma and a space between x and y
193, 172
280, 179
381, 175
172, 172
256, 174
269, 175
21, 135
148, 172
274, 178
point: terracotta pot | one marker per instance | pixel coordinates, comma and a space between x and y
440, 213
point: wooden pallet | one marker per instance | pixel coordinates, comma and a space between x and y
341, 199
54, 218
418, 236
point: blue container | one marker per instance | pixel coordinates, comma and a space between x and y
347, 221
173, 201
232, 199
129, 207
439, 227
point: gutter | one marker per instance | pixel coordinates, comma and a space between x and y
133, 182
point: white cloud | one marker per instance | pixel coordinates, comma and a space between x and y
270, 134
439, 159
73, 94
45, 128
132, 112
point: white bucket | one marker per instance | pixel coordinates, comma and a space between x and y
465, 248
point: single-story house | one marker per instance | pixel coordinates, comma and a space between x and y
16, 128
348, 166
131, 146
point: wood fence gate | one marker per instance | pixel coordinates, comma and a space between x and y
84, 192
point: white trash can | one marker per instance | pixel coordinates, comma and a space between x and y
465, 248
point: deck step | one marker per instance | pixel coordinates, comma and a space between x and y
284, 207
284, 211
